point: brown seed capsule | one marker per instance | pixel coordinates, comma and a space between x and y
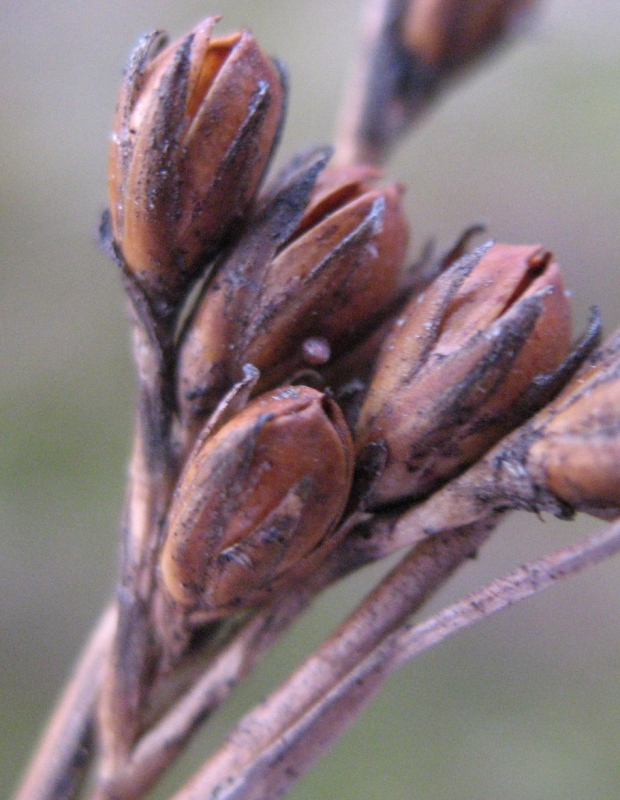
445, 34
306, 271
456, 372
575, 450
194, 130
258, 503
416, 47
535, 467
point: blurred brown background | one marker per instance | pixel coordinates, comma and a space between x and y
525, 705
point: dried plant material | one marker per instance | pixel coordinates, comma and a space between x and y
575, 450
313, 265
450, 375
236, 770
266, 328
258, 503
446, 34
195, 128
412, 48
276, 744
563, 460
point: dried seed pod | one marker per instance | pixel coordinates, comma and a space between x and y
457, 371
564, 459
418, 47
258, 502
194, 130
446, 34
319, 262
575, 441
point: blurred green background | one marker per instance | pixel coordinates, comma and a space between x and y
525, 705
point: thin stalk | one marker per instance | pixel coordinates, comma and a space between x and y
403, 591
264, 757
135, 655
352, 146
162, 744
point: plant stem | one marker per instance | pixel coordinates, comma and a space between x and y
427, 566
276, 744
351, 145
135, 654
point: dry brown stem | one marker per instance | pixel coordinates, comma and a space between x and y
427, 566
350, 147
279, 741
134, 654
410, 49
160, 745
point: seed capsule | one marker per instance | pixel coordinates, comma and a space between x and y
446, 34
575, 452
456, 372
418, 47
564, 459
194, 130
258, 503
319, 263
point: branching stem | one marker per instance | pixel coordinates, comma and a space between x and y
278, 742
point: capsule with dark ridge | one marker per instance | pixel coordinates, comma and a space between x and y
447, 34
317, 266
258, 503
460, 358
575, 441
194, 131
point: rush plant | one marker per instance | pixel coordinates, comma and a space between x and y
310, 400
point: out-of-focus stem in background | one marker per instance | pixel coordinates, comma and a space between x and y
409, 50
